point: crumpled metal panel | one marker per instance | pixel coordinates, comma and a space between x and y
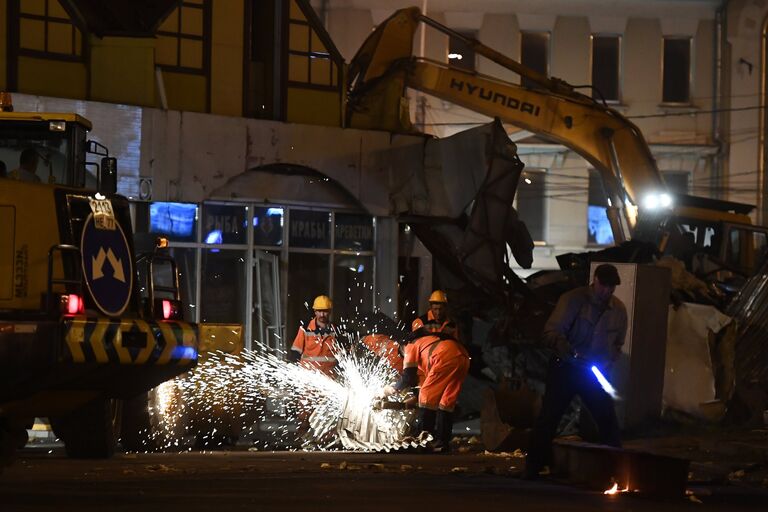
750, 310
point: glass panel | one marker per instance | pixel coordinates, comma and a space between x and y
32, 152
307, 278
60, 38
299, 39
192, 21
177, 221
56, 10
296, 13
352, 285
223, 288
310, 229
191, 54
171, 23
78, 43
224, 224
321, 71
265, 313
267, 226
165, 51
32, 35
317, 45
298, 68
32, 7
353, 232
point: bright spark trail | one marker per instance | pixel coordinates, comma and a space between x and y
310, 409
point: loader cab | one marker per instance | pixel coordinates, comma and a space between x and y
52, 148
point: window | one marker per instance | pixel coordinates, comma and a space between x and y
534, 53
531, 204
599, 230
224, 224
309, 59
310, 229
183, 40
267, 225
224, 286
460, 54
45, 30
677, 70
606, 66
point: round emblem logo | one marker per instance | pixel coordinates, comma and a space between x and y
107, 266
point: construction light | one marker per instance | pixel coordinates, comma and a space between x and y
607, 387
168, 309
72, 304
657, 201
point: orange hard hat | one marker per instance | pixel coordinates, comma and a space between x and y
322, 302
438, 296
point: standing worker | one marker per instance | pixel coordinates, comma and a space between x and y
436, 318
315, 346
586, 330
445, 364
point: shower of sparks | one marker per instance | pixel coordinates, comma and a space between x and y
257, 391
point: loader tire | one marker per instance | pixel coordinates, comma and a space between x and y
136, 428
92, 431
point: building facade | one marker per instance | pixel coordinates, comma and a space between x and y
227, 119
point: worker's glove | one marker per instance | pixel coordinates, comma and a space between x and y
387, 391
293, 356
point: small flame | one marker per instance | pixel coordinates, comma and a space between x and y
615, 489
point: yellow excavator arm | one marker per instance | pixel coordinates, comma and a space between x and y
384, 67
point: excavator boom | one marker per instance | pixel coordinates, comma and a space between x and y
384, 67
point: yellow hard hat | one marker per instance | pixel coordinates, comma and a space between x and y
438, 296
322, 302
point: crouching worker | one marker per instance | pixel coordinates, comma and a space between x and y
445, 364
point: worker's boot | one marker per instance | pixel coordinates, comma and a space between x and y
443, 431
425, 422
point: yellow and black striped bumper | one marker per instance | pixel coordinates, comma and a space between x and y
129, 342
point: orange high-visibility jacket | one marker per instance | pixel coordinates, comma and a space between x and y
317, 347
386, 348
429, 323
445, 363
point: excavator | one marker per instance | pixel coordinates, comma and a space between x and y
79, 329
640, 207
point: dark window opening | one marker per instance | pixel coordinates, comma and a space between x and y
460, 54
677, 70
606, 65
534, 53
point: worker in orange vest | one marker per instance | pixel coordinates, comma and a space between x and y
436, 318
445, 364
386, 348
315, 345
